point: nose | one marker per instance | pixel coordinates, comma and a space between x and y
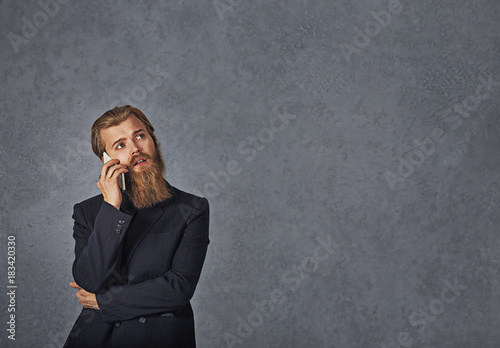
135, 150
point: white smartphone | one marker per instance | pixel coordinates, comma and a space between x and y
121, 178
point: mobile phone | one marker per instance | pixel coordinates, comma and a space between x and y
121, 178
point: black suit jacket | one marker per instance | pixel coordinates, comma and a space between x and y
143, 266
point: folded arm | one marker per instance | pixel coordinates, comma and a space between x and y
98, 247
174, 288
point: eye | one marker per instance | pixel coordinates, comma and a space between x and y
140, 136
119, 146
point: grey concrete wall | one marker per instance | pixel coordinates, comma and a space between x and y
349, 150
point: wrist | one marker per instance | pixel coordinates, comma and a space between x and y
114, 204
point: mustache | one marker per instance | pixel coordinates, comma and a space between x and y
136, 157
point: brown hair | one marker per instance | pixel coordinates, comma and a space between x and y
112, 118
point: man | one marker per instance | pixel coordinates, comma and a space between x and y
139, 252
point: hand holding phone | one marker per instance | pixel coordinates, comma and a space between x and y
121, 178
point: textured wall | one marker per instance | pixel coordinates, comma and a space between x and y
349, 150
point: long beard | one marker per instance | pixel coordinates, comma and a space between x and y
147, 187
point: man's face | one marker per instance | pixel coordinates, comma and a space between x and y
128, 140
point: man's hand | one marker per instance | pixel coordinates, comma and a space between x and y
108, 182
86, 299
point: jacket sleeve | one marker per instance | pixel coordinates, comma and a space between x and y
98, 246
174, 288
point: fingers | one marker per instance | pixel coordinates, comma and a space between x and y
112, 168
108, 182
82, 293
116, 171
109, 174
107, 165
87, 299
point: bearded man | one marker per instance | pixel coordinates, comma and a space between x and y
138, 252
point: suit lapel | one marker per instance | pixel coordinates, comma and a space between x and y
142, 223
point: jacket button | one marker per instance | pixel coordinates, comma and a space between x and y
121, 222
142, 320
117, 323
117, 231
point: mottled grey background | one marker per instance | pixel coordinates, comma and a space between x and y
331, 225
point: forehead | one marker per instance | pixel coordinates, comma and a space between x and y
122, 130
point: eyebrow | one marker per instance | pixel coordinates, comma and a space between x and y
122, 139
